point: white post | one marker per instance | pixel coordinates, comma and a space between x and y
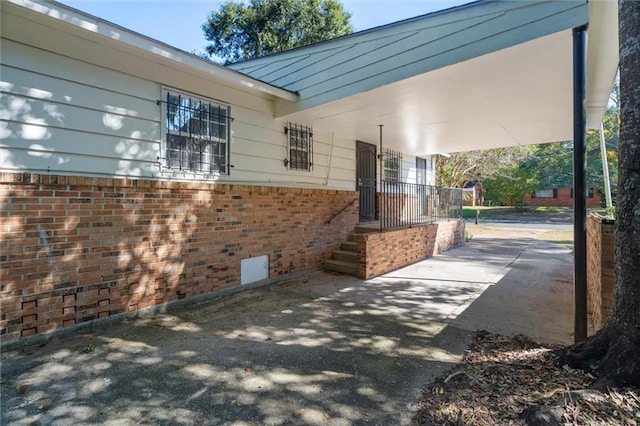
605, 168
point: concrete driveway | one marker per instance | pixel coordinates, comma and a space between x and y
318, 349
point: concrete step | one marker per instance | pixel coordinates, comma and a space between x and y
341, 266
349, 246
345, 255
366, 229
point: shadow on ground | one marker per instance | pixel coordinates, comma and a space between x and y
320, 349
325, 350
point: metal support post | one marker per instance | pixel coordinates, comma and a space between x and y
579, 182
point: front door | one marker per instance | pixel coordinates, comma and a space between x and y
366, 179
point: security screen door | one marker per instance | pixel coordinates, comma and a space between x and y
366, 179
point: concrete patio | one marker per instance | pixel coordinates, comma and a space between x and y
317, 349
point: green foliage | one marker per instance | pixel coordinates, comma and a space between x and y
509, 187
552, 164
240, 30
455, 170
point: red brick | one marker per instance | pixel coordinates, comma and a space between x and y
95, 223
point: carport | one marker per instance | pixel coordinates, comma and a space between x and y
488, 74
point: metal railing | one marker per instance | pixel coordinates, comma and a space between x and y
409, 204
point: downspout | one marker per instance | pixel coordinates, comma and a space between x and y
605, 169
579, 183
380, 157
326, 181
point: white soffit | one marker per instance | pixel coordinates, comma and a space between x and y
489, 74
516, 96
602, 57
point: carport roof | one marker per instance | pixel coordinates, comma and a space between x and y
488, 74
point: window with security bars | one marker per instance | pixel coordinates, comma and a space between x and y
300, 146
196, 134
392, 161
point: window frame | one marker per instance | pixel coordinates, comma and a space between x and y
545, 193
218, 143
391, 165
299, 147
423, 170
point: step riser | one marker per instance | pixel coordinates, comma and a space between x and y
349, 246
344, 260
345, 256
344, 268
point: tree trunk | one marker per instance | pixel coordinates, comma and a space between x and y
614, 350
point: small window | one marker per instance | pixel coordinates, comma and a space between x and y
300, 139
196, 134
545, 193
392, 161
421, 171
424, 171
589, 193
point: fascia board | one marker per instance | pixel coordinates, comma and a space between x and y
111, 33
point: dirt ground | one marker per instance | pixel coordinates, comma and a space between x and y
519, 381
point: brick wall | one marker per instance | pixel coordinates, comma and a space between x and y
563, 199
75, 249
600, 268
379, 253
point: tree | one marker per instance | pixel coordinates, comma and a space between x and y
454, 170
510, 186
614, 349
552, 163
239, 31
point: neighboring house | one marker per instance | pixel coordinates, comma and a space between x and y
561, 197
473, 193
135, 175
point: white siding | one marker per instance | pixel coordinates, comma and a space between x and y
97, 115
409, 173
65, 116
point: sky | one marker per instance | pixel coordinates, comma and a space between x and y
178, 22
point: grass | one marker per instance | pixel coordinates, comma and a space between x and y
503, 212
559, 237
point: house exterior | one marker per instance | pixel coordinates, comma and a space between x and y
134, 175
473, 193
561, 197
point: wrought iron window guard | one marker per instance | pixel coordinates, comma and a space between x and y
300, 147
197, 134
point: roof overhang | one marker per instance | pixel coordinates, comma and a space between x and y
485, 75
59, 16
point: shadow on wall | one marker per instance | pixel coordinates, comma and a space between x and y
46, 131
77, 249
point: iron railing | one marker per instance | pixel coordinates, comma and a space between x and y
409, 204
